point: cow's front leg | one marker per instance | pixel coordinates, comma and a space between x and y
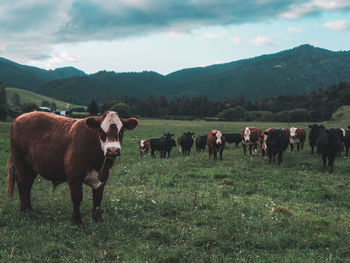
96, 210
76, 193
250, 148
244, 148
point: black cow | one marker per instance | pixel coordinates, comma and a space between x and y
347, 141
163, 144
277, 141
315, 131
186, 142
233, 138
328, 145
201, 142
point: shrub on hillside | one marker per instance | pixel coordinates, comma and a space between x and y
232, 114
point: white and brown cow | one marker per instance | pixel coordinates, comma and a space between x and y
216, 143
144, 146
64, 149
263, 139
296, 136
251, 136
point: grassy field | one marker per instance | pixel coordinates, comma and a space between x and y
27, 96
188, 209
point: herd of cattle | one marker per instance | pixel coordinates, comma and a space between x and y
272, 142
83, 151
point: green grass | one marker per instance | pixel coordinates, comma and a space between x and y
27, 96
188, 209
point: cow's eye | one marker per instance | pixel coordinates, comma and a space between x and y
103, 136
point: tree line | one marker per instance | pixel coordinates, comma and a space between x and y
314, 106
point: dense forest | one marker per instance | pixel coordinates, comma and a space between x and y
315, 106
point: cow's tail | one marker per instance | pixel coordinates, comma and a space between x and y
11, 177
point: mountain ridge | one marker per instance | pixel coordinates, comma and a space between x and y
292, 71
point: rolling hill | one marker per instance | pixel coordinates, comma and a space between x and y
295, 71
30, 78
26, 96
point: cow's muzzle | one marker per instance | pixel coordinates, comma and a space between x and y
113, 152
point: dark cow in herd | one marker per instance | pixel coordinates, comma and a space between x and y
277, 142
329, 143
144, 146
250, 136
162, 144
296, 136
201, 142
315, 131
347, 141
232, 138
216, 143
63, 149
185, 143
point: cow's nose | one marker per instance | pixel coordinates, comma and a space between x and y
246, 140
113, 151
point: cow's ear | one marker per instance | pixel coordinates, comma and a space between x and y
92, 123
130, 123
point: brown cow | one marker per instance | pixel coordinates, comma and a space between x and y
178, 140
216, 143
263, 141
144, 146
296, 136
250, 136
63, 149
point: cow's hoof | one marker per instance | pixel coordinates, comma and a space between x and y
76, 221
26, 209
97, 215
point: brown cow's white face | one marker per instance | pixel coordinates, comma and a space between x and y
293, 135
111, 128
247, 134
218, 137
143, 145
293, 132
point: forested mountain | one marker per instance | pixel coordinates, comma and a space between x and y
30, 78
104, 85
294, 71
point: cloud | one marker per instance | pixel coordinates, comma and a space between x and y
236, 40
304, 8
332, 5
41, 24
294, 30
338, 25
260, 40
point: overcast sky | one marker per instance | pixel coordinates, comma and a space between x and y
164, 35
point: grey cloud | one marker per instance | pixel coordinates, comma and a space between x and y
91, 20
36, 26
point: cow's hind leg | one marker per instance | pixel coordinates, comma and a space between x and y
324, 162
280, 157
96, 210
76, 193
25, 177
330, 163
